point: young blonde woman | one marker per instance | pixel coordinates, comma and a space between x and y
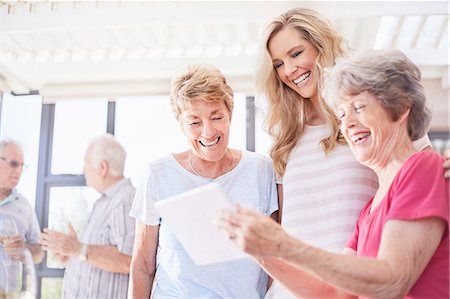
324, 187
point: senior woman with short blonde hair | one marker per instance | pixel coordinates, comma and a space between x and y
202, 103
400, 245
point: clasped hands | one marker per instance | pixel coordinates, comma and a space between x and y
61, 244
11, 244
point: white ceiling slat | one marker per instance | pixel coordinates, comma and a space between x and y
9, 43
222, 33
101, 39
442, 34
418, 32
125, 37
81, 39
62, 39
408, 32
44, 41
20, 42
180, 33
428, 57
117, 38
244, 33
161, 33
139, 35
149, 39
366, 32
255, 28
200, 34
430, 28
396, 31
349, 29
386, 32
136, 53
11, 82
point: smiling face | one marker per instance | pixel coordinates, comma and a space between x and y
294, 60
369, 130
9, 176
207, 126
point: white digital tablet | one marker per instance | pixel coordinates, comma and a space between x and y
190, 216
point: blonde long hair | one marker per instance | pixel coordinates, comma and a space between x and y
288, 110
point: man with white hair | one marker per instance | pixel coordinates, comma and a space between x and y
99, 262
14, 208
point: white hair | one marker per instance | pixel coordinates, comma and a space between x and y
9, 142
388, 75
106, 148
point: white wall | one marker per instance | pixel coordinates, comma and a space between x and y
438, 100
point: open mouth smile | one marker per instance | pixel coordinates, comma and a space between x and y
209, 144
302, 79
360, 137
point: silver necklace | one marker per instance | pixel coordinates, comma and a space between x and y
196, 173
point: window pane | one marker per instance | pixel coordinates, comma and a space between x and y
238, 128
21, 121
263, 141
154, 132
51, 287
76, 122
69, 205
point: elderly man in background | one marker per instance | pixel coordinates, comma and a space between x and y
99, 262
14, 208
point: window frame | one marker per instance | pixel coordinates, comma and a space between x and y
46, 180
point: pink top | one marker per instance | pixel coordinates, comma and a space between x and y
418, 190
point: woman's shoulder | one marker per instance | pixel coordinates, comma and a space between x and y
256, 157
161, 161
429, 157
421, 165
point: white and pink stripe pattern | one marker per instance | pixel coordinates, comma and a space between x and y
324, 194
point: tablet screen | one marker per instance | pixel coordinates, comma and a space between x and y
191, 215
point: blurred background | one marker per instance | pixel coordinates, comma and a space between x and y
73, 70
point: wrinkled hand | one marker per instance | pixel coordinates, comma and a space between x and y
60, 243
255, 233
62, 258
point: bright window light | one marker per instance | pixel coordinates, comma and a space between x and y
76, 122
21, 121
385, 32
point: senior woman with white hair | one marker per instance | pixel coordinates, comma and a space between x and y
400, 244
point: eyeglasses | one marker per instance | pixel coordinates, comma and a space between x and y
13, 163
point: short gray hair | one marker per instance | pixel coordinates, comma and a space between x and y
108, 149
388, 75
199, 82
9, 142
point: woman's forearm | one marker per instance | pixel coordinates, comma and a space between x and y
141, 281
143, 262
399, 263
295, 280
323, 274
